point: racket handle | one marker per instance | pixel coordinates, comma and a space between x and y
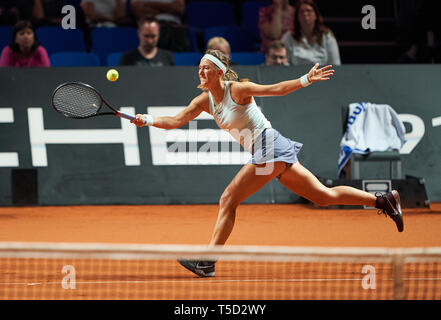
125, 115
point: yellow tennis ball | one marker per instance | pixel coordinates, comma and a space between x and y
112, 75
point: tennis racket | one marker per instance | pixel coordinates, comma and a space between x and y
80, 101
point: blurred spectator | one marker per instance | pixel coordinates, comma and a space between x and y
148, 54
274, 21
415, 26
174, 35
221, 44
24, 50
44, 12
276, 54
311, 41
163, 10
9, 12
104, 13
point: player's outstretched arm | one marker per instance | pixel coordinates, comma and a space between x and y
196, 106
285, 87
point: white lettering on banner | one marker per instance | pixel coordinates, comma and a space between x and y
40, 137
6, 115
168, 147
208, 154
415, 135
8, 159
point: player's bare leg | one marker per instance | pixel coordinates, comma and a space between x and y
301, 181
244, 184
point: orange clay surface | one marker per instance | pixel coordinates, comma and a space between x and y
273, 225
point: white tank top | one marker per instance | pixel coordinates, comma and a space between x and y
245, 122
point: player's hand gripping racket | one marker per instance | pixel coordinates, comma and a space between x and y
80, 101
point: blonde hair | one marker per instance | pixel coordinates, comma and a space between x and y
215, 42
230, 75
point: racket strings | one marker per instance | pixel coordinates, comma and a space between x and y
77, 101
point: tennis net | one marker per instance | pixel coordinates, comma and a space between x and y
136, 272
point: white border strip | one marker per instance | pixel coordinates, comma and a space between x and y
251, 253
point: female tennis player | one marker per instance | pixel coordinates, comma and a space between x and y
232, 106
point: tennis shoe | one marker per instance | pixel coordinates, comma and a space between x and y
390, 205
201, 268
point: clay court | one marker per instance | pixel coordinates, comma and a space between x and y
274, 224
257, 225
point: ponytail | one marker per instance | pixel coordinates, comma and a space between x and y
230, 75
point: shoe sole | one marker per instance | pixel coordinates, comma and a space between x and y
198, 272
399, 214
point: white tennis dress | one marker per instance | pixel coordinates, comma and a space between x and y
249, 127
245, 122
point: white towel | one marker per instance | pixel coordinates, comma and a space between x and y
370, 127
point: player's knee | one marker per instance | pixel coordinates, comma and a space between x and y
325, 198
227, 201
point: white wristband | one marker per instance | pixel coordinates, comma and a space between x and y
148, 119
304, 81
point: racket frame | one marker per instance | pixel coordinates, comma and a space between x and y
98, 113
